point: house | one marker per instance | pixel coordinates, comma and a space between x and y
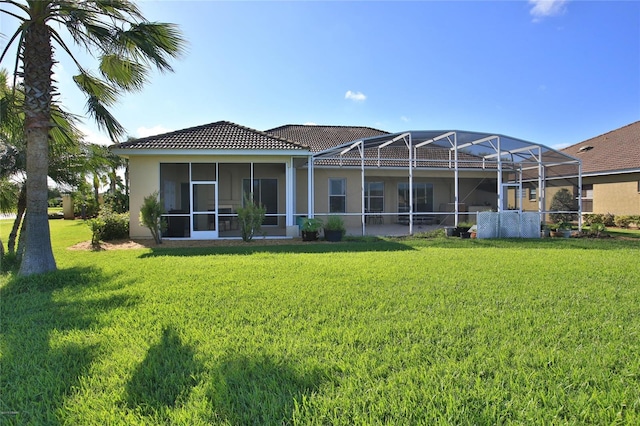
610, 171
370, 177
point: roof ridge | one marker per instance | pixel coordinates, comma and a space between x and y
266, 134
343, 126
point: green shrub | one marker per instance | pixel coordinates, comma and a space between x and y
311, 224
608, 219
250, 217
591, 218
151, 216
116, 225
622, 221
597, 229
334, 223
563, 201
108, 226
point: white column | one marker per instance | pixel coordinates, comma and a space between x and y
310, 191
410, 148
456, 178
292, 229
362, 218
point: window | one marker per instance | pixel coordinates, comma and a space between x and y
422, 197
265, 192
587, 198
374, 196
337, 195
533, 194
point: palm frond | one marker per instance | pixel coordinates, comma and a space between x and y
154, 43
8, 196
105, 120
94, 87
125, 73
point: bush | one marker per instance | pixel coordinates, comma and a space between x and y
335, 223
108, 226
250, 218
608, 219
622, 221
116, 225
597, 229
119, 201
563, 201
151, 216
86, 206
591, 218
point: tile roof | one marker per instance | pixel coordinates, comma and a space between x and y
319, 138
617, 150
222, 135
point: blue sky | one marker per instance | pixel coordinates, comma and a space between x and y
551, 72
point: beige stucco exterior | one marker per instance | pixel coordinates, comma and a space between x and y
616, 194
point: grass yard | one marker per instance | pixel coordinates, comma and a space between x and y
411, 331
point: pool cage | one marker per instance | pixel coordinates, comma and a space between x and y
502, 173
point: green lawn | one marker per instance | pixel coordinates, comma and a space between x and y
410, 331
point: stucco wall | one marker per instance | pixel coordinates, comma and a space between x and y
616, 194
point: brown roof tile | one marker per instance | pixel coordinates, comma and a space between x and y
319, 138
222, 135
617, 150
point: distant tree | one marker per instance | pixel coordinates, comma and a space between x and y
127, 46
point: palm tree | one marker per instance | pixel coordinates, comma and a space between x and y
66, 151
127, 46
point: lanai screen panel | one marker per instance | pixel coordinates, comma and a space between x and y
514, 161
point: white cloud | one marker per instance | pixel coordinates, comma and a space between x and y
355, 96
405, 119
142, 132
544, 8
92, 136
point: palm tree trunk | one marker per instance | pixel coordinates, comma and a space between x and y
22, 206
38, 61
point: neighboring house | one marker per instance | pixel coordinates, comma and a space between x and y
610, 171
370, 177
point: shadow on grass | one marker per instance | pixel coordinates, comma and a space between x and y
165, 377
42, 359
369, 244
260, 390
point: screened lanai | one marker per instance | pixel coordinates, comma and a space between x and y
444, 178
